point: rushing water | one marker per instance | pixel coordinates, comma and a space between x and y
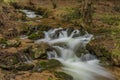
65, 47
31, 14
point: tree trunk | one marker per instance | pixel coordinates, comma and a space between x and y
54, 4
87, 11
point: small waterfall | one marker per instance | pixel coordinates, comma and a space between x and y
86, 67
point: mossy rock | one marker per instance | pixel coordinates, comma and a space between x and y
63, 76
50, 64
39, 53
53, 63
13, 43
40, 50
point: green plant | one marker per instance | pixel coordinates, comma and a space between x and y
33, 36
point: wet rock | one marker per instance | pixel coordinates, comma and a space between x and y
80, 51
63, 76
69, 31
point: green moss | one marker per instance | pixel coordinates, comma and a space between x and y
53, 63
42, 65
63, 76
33, 36
50, 64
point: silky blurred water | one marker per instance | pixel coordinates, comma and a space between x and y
86, 67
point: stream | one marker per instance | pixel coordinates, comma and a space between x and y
66, 44
30, 13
